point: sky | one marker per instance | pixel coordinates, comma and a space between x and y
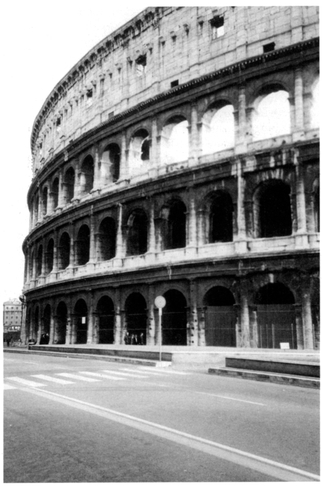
40, 42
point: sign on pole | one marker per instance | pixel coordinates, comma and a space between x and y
160, 302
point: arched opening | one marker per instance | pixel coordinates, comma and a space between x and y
174, 225
32, 265
175, 140
36, 206
221, 218
69, 183
136, 318
139, 150
61, 324
271, 117
44, 201
137, 240
315, 310
220, 318
275, 316
81, 323
316, 206
174, 319
35, 327
82, 245
110, 163
55, 192
272, 210
106, 239
105, 311
64, 251
218, 128
87, 175
39, 261
44, 338
49, 260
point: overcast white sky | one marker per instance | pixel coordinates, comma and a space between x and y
40, 42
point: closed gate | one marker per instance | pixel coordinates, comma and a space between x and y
220, 326
276, 324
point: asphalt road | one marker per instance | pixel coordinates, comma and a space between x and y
81, 420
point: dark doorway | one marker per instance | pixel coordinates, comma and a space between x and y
81, 322
174, 319
136, 318
220, 317
275, 316
221, 218
61, 324
105, 310
275, 210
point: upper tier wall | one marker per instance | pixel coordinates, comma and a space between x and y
160, 47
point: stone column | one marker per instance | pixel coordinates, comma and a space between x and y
73, 329
155, 152
124, 173
150, 338
244, 319
52, 328
96, 328
118, 338
72, 245
298, 128
43, 259
90, 322
241, 128
254, 326
69, 327
55, 256
151, 245
201, 240
202, 326
307, 320
119, 236
194, 142
302, 237
97, 173
241, 219
194, 341
299, 326
92, 246
192, 221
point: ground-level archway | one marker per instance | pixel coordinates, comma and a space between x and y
136, 318
174, 319
81, 323
220, 318
44, 338
275, 316
105, 312
61, 324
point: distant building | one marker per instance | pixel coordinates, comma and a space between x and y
12, 315
180, 157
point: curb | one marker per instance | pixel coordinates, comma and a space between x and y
139, 361
267, 377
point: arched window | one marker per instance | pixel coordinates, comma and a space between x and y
221, 218
39, 261
218, 129
272, 210
50, 256
44, 200
136, 318
137, 241
110, 163
174, 227
87, 175
139, 150
82, 245
64, 251
69, 182
107, 239
271, 117
55, 192
174, 320
175, 141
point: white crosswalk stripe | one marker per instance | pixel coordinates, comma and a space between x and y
142, 373
131, 375
24, 382
100, 375
78, 377
53, 380
167, 371
8, 387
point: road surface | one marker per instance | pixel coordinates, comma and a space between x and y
81, 420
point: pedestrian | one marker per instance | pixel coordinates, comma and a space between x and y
8, 342
142, 338
127, 338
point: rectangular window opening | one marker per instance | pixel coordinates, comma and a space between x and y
174, 83
217, 25
269, 47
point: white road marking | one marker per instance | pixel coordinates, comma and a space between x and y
274, 469
166, 370
8, 387
78, 377
140, 372
131, 375
52, 379
230, 398
100, 375
24, 382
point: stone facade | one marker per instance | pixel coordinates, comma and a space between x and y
180, 157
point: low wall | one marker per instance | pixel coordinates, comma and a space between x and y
274, 366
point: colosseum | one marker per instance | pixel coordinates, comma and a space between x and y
180, 158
